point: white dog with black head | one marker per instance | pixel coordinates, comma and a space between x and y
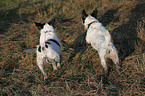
100, 39
49, 48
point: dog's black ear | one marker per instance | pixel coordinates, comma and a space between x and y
52, 22
84, 15
39, 25
94, 13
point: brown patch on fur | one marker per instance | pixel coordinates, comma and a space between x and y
43, 48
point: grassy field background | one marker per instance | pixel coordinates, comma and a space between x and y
81, 72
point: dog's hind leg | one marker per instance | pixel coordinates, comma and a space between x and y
59, 62
41, 67
54, 65
114, 57
103, 61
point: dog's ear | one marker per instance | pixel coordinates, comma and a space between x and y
84, 15
52, 22
39, 25
94, 13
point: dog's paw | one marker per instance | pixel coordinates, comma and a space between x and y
58, 65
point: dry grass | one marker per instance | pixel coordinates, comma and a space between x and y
81, 72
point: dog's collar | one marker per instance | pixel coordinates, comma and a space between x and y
48, 31
90, 24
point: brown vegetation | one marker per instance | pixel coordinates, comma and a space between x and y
81, 72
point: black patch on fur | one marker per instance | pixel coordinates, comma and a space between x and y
39, 49
52, 22
54, 41
39, 25
46, 44
94, 13
84, 15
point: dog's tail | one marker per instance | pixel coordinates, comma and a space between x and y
29, 50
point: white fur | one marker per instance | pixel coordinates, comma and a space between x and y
52, 53
100, 39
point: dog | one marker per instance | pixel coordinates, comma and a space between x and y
99, 38
49, 48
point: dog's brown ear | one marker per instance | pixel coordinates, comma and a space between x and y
84, 15
39, 25
94, 13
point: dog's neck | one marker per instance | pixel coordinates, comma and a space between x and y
90, 20
90, 24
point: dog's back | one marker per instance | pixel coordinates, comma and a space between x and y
97, 35
50, 44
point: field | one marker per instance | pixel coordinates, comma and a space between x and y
81, 72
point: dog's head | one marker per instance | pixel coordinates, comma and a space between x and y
88, 18
44, 27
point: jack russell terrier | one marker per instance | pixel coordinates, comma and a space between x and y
100, 39
49, 48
